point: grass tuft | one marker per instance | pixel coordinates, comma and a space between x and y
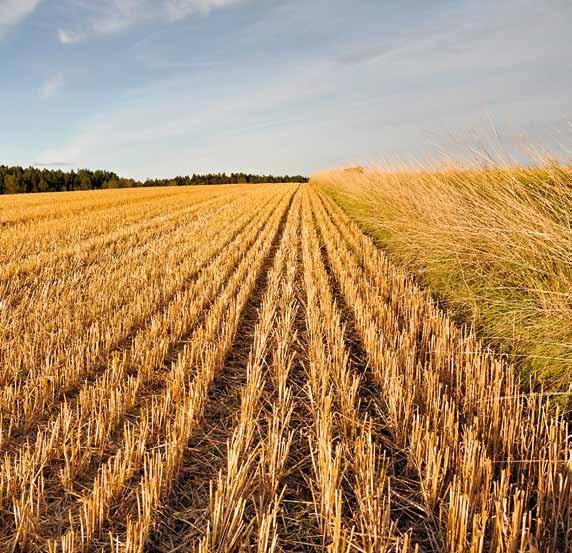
493, 244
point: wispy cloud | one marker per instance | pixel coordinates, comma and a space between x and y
112, 16
68, 37
51, 85
14, 11
178, 9
54, 164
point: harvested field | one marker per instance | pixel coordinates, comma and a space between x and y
239, 368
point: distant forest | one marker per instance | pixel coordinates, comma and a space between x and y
17, 180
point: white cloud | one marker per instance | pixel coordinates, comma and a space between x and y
68, 37
112, 16
14, 11
178, 9
51, 85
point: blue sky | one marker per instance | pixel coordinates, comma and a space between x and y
153, 88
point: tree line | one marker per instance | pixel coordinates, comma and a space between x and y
17, 180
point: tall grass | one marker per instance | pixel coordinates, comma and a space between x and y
494, 244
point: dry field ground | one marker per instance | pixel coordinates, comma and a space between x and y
239, 368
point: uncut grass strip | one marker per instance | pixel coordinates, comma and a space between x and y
238, 496
487, 382
81, 370
161, 345
206, 352
516, 490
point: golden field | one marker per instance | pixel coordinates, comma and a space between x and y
240, 368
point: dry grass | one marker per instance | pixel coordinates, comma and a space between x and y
364, 419
482, 451
494, 245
